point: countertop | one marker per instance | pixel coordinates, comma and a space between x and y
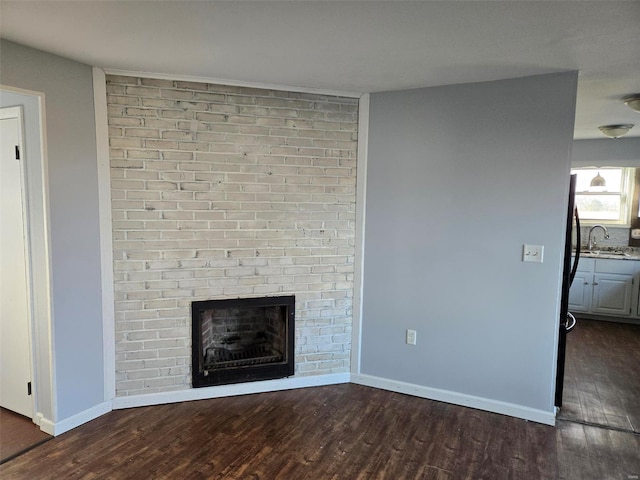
613, 253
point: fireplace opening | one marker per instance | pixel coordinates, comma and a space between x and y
242, 340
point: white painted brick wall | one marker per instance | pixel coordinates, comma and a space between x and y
225, 192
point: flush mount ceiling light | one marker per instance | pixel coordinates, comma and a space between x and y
632, 101
615, 131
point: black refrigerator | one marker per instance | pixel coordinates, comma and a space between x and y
571, 259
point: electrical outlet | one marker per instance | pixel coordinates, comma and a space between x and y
411, 337
532, 253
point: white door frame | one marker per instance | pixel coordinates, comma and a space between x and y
38, 246
17, 398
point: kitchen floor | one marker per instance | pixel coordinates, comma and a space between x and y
602, 375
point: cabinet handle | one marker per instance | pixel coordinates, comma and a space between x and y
586, 283
595, 283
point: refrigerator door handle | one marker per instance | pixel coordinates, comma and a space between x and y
574, 268
572, 319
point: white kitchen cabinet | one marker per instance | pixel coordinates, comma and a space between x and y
581, 292
612, 294
605, 287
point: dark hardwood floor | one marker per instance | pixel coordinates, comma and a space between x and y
602, 375
18, 434
334, 432
355, 432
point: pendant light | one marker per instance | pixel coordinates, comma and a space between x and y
598, 183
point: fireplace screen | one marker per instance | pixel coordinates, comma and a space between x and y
242, 340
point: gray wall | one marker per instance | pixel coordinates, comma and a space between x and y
459, 178
618, 152
73, 196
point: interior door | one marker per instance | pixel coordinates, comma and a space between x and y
15, 345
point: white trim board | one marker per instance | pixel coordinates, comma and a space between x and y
493, 406
361, 209
447, 396
232, 83
229, 390
106, 237
161, 398
58, 428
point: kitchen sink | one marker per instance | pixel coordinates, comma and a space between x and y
615, 253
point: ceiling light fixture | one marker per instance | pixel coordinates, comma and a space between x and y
598, 181
632, 101
615, 131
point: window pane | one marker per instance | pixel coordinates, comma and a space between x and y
612, 177
598, 207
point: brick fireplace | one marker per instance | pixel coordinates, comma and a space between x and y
220, 192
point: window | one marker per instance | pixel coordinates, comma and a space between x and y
603, 195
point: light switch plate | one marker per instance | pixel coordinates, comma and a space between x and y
533, 253
635, 233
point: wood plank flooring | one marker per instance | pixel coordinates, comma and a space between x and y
355, 432
602, 375
335, 432
17, 434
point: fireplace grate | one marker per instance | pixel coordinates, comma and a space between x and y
254, 354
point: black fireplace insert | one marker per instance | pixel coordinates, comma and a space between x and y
242, 340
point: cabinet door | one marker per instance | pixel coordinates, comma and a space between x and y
580, 292
612, 294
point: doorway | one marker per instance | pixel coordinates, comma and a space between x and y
26, 267
15, 312
18, 430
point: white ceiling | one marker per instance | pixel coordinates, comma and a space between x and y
353, 46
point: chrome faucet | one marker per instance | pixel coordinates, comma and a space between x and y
592, 242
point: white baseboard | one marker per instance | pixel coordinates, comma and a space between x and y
228, 390
510, 409
495, 406
57, 428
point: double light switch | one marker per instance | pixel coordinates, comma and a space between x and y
532, 253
